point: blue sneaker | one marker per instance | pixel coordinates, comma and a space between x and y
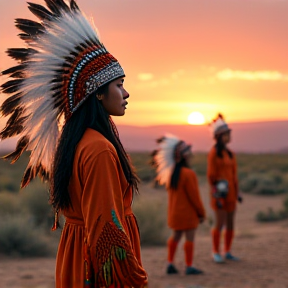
193, 271
229, 256
171, 269
218, 258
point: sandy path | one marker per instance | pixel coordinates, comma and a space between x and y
263, 249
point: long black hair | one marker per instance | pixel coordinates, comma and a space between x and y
176, 173
91, 114
220, 147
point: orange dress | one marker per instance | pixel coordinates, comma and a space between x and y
100, 245
185, 206
223, 169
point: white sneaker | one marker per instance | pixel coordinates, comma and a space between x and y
218, 258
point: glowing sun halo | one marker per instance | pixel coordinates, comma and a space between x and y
196, 118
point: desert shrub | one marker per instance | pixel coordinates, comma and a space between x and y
35, 200
151, 216
7, 183
285, 204
11, 175
285, 179
9, 204
144, 170
264, 183
270, 215
262, 163
19, 238
199, 164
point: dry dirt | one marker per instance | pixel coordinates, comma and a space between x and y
262, 247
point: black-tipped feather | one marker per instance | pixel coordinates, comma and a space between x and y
11, 86
40, 11
14, 118
57, 87
10, 104
56, 80
21, 54
74, 6
29, 27
79, 48
30, 173
62, 5
25, 37
11, 131
53, 7
13, 127
20, 148
18, 74
13, 69
69, 59
27, 177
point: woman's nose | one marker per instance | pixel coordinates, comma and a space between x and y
125, 94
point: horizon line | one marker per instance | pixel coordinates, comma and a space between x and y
205, 124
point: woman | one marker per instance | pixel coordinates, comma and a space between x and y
222, 177
64, 91
185, 208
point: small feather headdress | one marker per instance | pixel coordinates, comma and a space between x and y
63, 63
219, 125
171, 151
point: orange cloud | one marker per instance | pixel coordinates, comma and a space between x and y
265, 75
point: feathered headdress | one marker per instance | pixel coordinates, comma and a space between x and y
219, 125
63, 64
171, 151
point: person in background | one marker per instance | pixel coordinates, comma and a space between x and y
63, 93
185, 208
224, 192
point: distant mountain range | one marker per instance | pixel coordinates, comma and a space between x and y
256, 137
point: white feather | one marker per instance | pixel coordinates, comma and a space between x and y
165, 159
41, 126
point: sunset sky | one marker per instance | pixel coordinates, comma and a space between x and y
181, 56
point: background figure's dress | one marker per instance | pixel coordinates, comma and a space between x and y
185, 206
223, 169
100, 245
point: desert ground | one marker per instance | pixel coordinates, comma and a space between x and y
262, 247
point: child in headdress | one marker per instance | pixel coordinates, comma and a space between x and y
185, 208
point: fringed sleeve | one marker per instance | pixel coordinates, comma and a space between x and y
109, 247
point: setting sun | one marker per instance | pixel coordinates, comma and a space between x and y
196, 118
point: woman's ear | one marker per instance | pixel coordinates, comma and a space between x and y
100, 97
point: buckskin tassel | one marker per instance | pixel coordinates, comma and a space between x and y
56, 221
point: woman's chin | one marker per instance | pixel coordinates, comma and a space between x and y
119, 114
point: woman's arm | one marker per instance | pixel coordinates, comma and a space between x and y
110, 248
193, 194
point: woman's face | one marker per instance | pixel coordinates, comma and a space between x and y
114, 101
226, 137
189, 159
